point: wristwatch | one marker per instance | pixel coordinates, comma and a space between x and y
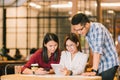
93, 70
33, 72
71, 73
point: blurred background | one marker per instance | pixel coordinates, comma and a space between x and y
23, 23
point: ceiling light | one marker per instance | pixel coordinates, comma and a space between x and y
109, 4
68, 5
110, 11
61, 6
34, 5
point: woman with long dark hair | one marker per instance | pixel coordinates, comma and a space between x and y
45, 56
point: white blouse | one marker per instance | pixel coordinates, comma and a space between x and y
77, 64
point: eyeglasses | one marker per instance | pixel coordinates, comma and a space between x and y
70, 46
80, 29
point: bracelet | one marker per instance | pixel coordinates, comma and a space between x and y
33, 72
71, 73
93, 70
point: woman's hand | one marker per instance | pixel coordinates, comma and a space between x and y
51, 71
65, 71
41, 71
27, 71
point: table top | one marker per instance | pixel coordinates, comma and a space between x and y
47, 77
12, 61
4, 64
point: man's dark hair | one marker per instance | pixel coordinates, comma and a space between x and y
80, 18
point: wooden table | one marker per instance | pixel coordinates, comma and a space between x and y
47, 77
12, 62
4, 63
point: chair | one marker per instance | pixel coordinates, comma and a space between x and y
10, 68
118, 73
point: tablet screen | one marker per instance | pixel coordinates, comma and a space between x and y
56, 68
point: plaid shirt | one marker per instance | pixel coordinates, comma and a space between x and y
100, 40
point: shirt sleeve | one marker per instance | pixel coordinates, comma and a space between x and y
80, 67
31, 60
98, 39
62, 58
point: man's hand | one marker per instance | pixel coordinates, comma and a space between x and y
89, 74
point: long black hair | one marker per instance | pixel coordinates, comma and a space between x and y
49, 37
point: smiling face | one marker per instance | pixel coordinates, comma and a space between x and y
51, 46
82, 30
71, 46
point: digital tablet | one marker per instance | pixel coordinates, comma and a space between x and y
56, 68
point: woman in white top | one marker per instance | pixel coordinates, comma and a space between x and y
72, 58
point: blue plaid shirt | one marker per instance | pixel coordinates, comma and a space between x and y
100, 40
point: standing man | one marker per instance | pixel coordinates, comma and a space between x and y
105, 57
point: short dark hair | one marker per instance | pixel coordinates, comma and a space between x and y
80, 18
